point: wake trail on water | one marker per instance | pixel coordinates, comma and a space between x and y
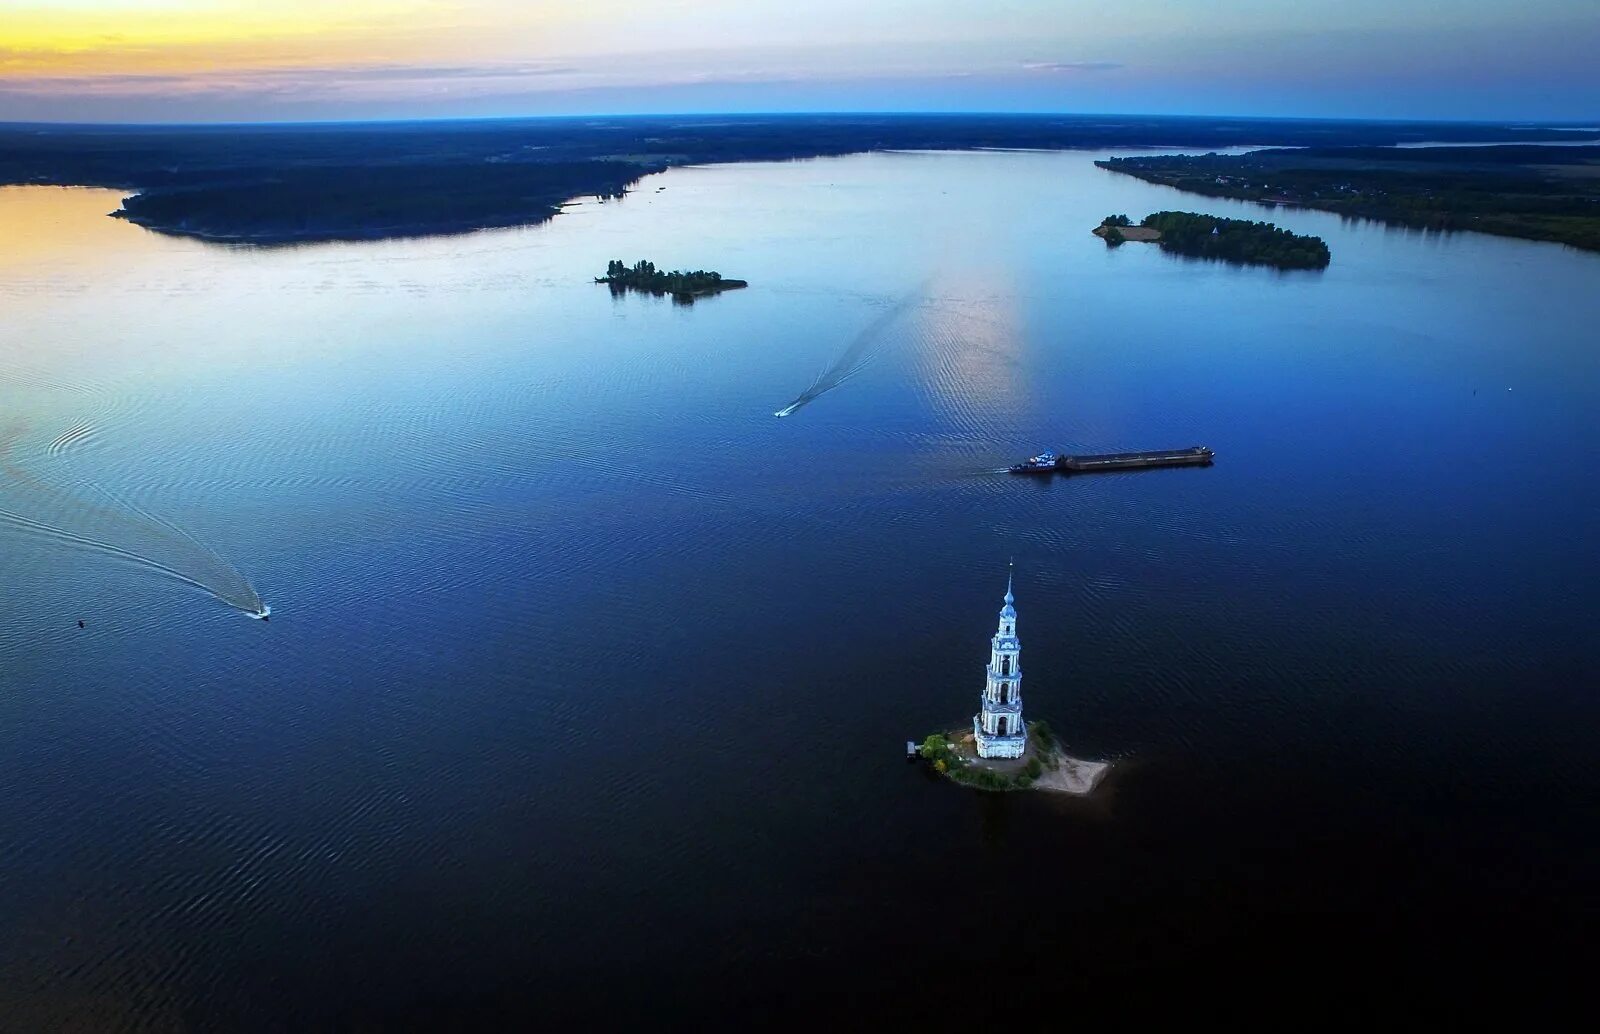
855, 358
120, 529
239, 590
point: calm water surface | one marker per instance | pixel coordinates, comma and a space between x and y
587, 678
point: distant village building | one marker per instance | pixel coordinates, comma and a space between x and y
998, 725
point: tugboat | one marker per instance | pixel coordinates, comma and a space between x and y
1044, 463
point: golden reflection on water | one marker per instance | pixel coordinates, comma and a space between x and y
51, 230
57, 249
84, 358
95, 304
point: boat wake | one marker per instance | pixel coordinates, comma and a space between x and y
852, 360
115, 528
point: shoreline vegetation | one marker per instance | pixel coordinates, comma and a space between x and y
1214, 237
269, 184
1530, 192
643, 276
1043, 765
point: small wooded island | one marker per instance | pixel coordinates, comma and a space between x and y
684, 287
1213, 237
1043, 765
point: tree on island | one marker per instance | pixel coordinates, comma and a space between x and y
1116, 220
1113, 235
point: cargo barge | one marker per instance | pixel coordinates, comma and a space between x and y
1049, 463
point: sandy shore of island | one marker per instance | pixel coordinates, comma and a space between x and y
1062, 773
1132, 233
1072, 775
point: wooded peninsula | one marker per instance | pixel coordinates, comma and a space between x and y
1213, 237
1514, 190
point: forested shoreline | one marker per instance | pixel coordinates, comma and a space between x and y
274, 184
1532, 192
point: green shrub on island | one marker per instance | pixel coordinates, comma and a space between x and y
936, 751
1236, 240
983, 778
644, 276
1113, 236
1116, 220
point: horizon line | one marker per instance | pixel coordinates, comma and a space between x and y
1575, 125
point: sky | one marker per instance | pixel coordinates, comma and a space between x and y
296, 60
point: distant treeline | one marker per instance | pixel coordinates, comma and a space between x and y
644, 276
1538, 193
1236, 240
271, 184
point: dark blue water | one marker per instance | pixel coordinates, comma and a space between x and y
586, 678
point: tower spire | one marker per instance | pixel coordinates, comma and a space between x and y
1011, 566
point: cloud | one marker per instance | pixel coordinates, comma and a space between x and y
278, 81
1072, 66
378, 72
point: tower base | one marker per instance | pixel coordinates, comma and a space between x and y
998, 746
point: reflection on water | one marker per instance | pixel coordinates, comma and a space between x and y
572, 640
969, 368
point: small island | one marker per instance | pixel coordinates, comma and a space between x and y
1214, 237
999, 751
1042, 765
684, 287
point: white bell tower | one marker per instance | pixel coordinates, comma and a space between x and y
998, 725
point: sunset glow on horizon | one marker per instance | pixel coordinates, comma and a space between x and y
187, 60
